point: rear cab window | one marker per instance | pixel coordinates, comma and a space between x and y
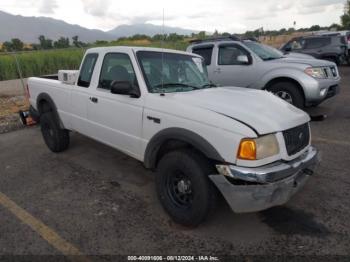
87, 70
205, 51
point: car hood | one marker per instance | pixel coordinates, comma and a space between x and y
299, 56
260, 110
305, 61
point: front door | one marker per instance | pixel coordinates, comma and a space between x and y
234, 66
116, 119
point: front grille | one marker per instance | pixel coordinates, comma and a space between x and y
334, 71
296, 138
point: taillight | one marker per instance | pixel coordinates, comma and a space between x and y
27, 92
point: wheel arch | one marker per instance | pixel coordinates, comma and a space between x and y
175, 138
276, 80
46, 104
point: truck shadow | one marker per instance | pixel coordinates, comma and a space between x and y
288, 221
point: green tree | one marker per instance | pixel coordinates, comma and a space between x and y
158, 37
78, 43
75, 40
45, 43
98, 43
7, 46
17, 45
315, 28
62, 42
335, 27
175, 37
345, 18
201, 35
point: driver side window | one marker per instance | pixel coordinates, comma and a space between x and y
116, 67
297, 44
233, 55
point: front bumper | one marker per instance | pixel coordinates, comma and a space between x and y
320, 90
266, 186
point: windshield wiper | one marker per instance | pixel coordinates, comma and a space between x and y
176, 84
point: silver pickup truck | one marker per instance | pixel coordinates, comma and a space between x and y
300, 81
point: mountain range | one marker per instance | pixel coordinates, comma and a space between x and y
28, 29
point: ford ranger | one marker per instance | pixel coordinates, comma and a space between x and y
158, 106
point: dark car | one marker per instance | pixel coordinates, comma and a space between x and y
327, 47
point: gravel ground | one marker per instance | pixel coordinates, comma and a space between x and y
9, 108
104, 202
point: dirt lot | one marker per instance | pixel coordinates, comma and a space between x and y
93, 200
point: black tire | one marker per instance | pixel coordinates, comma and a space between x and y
56, 138
184, 188
289, 89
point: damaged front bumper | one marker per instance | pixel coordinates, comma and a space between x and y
254, 189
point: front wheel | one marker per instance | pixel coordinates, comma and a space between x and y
289, 92
184, 188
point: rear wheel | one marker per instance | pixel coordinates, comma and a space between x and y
56, 138
289, 92
184, 188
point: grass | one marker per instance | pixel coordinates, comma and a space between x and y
39, 62
44, 62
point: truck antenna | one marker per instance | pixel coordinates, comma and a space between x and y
162, 47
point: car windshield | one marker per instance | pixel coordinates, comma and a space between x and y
263, 51
170, 72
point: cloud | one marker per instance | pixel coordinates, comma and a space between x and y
316, 6
97, 8
305, 10
318, 3
48, 6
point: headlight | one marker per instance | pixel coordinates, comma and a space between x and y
258, 148
316, 72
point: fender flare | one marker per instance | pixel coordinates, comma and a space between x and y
46, 97
182, 135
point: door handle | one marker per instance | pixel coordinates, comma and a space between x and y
218, 70
93, 99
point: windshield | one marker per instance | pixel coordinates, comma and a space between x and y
171, 72
263, 51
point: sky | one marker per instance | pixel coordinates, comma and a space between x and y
234, 16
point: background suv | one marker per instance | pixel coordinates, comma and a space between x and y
332, 47
299, 81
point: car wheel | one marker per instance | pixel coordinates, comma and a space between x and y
184, 188
289, 92
56, 138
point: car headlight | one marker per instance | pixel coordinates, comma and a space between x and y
316, 72
258, 148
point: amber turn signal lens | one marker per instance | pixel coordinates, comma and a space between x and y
247, 150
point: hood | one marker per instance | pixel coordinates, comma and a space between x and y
260, 110
305, 61
299, 55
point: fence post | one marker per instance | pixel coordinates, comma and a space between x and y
19, 72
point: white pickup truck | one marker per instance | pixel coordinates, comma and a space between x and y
158, 106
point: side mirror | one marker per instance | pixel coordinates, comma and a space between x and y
124, 88
243, 59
